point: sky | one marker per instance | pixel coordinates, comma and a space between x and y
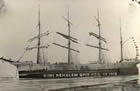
19, 18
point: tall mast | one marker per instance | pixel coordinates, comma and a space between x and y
121, 43
100, 43
69, 42
100, 38
38, 47
38, 37
69, 38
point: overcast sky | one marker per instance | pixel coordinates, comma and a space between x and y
18, 23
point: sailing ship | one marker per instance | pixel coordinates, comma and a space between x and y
70, 70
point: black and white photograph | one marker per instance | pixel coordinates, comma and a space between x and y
69, 45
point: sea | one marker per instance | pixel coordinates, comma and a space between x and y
119, 83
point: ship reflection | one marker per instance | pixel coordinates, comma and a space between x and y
102, 89
115, 89
126, 86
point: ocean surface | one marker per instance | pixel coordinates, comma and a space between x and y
120, 83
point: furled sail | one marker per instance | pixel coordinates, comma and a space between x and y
36, 37
67, 20
97, 47
68, 37
66, 47
27, 48
97, 36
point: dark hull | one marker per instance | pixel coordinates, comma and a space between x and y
52, 71
44, 74
67, 74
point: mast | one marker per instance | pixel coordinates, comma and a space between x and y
100, 43
38, 37
69, 38
69, 41
38, 46
121, 43
100, 38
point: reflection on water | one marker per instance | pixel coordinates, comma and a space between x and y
123, 83
115, 86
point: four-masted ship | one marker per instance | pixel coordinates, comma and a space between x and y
70, 70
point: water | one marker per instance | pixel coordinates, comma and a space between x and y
121, 83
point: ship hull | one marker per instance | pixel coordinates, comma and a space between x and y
67, 74
78, 71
